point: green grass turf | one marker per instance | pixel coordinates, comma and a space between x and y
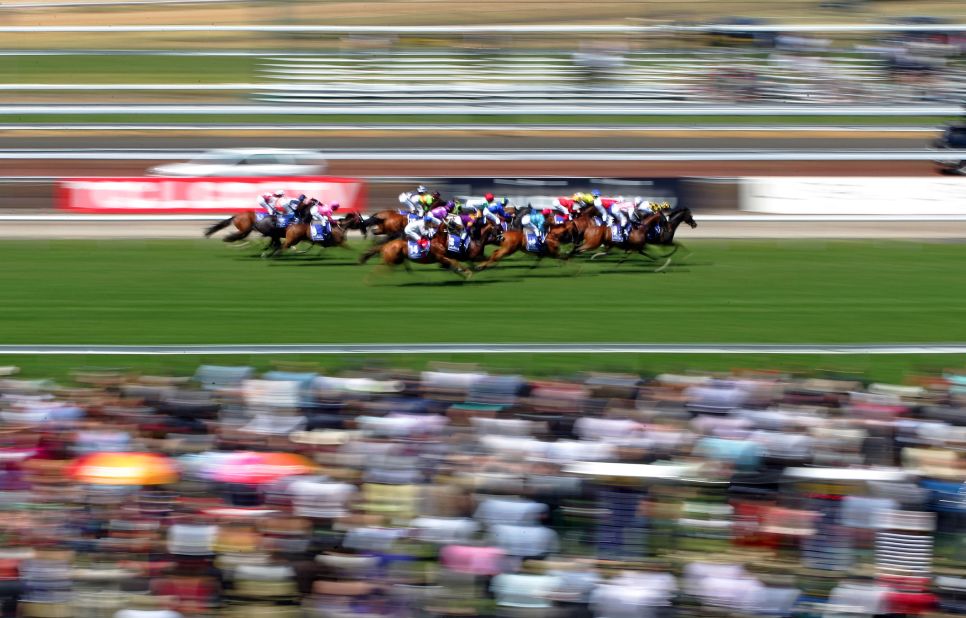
122, 69
156, 292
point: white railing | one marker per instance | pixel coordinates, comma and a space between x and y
504, 154
362, 107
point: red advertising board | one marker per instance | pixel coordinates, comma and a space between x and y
199, 195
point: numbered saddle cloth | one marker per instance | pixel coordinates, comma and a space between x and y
320, 231
597, 221
284, 220
617, 233
654, 234
456, 243
559, 219
417, 250
259, 216
534, 242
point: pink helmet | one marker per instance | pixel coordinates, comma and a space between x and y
325, 209
334, 205
488, 197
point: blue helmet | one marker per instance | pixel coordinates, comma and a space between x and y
595, 192
429, 219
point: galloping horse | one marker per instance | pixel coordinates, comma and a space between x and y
245, 222
675, 217
297, 232
390, 223
515, 240
481, 232
602, 235
396, 251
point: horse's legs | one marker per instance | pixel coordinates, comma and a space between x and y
498, 255
453, 265
369, 253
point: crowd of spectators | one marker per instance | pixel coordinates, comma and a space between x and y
454, 492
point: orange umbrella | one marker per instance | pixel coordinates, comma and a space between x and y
123, 469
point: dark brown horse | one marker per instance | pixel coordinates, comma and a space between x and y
515, 240
396, 252
601, 236
298, 232
245, 222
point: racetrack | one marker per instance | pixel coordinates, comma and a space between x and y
707, 229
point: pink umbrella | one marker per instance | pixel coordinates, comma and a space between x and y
254, 468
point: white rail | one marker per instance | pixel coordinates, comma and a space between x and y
491, 348
447, 154
550, 108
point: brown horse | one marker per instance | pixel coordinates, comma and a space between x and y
515, 240
385, 223
298, 232
601, 236
396, 252
247, 221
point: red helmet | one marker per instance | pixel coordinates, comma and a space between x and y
488, 197
546, 212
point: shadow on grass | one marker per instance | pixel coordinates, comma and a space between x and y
446, 283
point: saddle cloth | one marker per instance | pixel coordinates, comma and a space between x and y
534, 242
320, 231
416, 251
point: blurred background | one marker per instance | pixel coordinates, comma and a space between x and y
771, 424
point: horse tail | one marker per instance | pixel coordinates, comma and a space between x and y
372, 221
219, 226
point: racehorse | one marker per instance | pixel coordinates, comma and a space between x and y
396, 252
515, 240
481, 232
245, 222
674, 217
602, 235
297, 232
389, 223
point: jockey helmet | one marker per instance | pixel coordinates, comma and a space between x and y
638, 201
488, 197
429, 219
665, 206
421, 189
334, 205
278, 193
595, 192
302, 197
546, 212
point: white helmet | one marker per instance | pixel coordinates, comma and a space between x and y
278, 193
421, 189
638, 201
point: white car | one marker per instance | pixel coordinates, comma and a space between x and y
247, 162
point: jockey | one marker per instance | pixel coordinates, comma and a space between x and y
423, 229
322, 212
641, 210
289, 209
557, 206
536, 220
268, 201
622, 211
412, 200
494, 210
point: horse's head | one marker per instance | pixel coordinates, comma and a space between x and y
682, 214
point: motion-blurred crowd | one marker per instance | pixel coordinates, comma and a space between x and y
455, 492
